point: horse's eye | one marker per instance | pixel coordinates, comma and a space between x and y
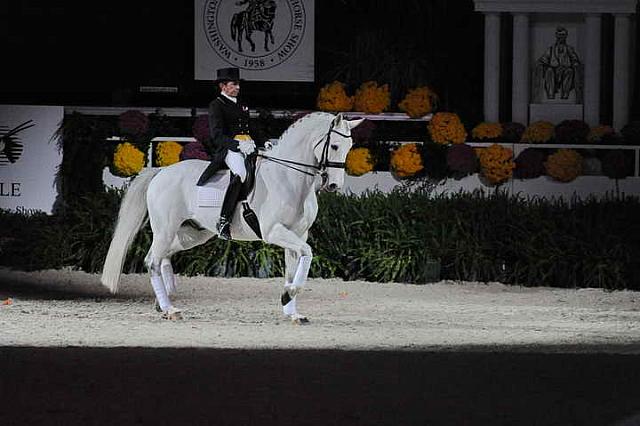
334, 147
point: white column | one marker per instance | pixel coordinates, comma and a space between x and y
621, 69
492, 66
592, 70
521, 72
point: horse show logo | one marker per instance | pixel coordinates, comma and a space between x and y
254, 34
11, 146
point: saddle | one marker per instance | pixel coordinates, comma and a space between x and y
213, 184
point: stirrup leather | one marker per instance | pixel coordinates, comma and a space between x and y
224, 228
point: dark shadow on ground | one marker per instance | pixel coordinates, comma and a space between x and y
300, 387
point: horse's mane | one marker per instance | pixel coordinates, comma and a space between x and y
306, 121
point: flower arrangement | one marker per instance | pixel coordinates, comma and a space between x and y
572, 132
133, 122
418, 102
359, 161
434, 160
333, 97
487, 131
462, 160
529, 164
127, 160
564, 165
194, 150
371, 98
496, 163
596, 134
616, 164
446, 128
406, 160
200, 127
538, 132
168, 153
512, 131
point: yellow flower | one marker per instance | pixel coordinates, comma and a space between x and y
168, 153
597, 133
406, 160
446, 128
359, 161
487, 131
538, 132
564, 165
372, 99
127, 159
418, 102
496, 163
333, 97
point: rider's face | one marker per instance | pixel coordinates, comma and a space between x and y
230, 88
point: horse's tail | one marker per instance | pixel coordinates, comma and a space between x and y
133, 211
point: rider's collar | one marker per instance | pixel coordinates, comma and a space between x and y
231, 98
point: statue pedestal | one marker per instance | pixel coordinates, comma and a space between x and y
555, 112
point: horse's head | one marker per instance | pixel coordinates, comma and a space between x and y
331, 152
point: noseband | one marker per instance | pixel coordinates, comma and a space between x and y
324, 164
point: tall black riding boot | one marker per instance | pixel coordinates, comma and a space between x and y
211, 170
229, 207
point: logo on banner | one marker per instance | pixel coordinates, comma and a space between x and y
11, 146
254, 34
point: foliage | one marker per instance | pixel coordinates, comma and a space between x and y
371, 98
485, 131
564, 165
359, 161
538, 132
419, 102
406, 160
377, 237
446, 128
333, 97
496, 163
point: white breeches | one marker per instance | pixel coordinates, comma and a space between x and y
235, 162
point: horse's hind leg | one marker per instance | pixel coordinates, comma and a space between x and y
160, 250
248, 33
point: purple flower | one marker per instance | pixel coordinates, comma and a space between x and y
512, 132
200, 128
572, 131
194, 150
462, 159
529, 164
133, 122
363, 132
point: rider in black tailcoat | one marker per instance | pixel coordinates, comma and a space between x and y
229, 144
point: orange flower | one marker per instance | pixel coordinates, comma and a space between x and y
446, 128
406, 160
496, 163
333, 97
418, 102
371, 98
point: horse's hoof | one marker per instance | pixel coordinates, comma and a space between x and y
156, 306
172, 314
299, 320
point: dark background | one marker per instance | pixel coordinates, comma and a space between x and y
99, 53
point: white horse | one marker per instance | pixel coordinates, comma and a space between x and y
284, 201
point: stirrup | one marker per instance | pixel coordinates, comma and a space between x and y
224, 228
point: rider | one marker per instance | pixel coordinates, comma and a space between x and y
229, 143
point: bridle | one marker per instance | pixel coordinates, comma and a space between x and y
324, 163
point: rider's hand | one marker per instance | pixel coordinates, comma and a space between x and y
268, 145
247, 147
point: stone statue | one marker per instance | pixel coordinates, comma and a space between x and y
559, 69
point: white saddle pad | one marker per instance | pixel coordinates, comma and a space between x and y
212, 193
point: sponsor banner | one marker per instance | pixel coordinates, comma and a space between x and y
269, 40
29, 157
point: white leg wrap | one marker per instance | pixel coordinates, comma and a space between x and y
304, 263
290, 308
161, 292
168, 276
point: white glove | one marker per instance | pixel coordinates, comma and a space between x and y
247, 147
268, 145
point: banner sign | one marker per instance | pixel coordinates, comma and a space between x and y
29, 157
269, 40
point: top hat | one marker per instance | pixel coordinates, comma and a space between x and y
227, 74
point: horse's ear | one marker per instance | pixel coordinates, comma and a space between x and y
355, 123
338, 119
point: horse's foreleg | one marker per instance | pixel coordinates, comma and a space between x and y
248, 33
298, 258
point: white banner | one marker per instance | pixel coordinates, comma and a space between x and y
29, 157
269, 40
